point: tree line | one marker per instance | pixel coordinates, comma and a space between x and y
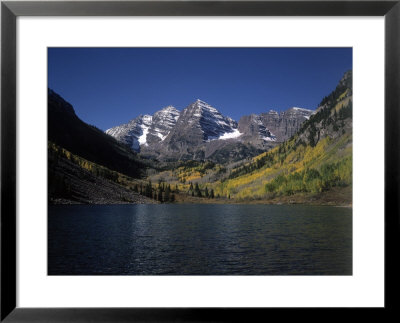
197, 192
162, 192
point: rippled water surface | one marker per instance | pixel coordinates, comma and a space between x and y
179, 239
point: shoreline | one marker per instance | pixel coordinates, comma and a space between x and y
258, 202
338, 197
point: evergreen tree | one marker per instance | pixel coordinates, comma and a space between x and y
212, 193
197, 190
149, 190
206, 193
167, 193
160, 194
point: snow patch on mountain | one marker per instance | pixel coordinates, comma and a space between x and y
271, 138
230, 135
143, 138
301, 109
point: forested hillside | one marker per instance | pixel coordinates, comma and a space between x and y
315, 160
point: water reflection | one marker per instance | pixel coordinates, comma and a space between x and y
200, 240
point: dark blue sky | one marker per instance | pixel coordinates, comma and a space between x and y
110, 86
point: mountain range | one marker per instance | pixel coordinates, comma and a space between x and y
201, 132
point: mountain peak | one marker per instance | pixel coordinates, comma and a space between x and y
170, 108
204, 105
201, 101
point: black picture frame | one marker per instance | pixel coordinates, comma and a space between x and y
10, 10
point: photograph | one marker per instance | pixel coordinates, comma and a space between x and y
200, 161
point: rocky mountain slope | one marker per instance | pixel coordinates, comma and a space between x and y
285, 124
146, 130
198, 123
133, 133
163, 122
75, 180
252, 128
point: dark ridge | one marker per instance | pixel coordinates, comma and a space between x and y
68, 131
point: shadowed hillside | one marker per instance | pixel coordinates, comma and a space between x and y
68, 131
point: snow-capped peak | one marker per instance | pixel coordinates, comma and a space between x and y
199, 101
199, 104
209, 120
169, 108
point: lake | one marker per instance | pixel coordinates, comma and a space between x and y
199, 239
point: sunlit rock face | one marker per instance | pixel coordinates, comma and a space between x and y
285, 124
